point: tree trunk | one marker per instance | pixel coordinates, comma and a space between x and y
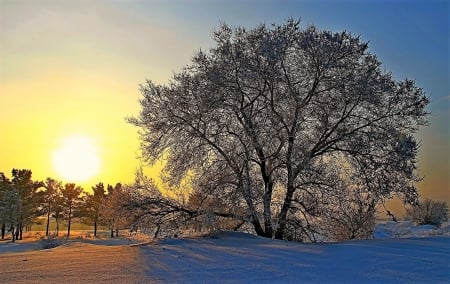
246, 193
259, 230
16, 232
157, 231
20, 231
70, 220
282, 217
3, 231
13, 233
57, 226
267, 212
48, 222
255, 222
95, 229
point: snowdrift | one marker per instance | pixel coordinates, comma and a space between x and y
231, 257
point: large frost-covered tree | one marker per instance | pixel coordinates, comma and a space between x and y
273, 120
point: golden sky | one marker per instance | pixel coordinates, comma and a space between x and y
73, 69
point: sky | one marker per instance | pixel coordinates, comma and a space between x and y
70, 71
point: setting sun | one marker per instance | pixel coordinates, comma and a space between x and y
76, 159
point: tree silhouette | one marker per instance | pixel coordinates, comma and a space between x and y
51, 197
94, 203
113, 210
30, 198
288, 109
71, 199
9, 206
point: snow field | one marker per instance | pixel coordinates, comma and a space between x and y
398, 253
240, 258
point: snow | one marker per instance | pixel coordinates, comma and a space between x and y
407, 229
398, 253
74, 262
236, 257
33, 241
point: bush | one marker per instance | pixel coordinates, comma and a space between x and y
428, 212
350, 223
50, 242
349, 215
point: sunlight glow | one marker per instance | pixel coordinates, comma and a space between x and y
76, 159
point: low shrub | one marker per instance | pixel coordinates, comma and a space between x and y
428, 212
50, 242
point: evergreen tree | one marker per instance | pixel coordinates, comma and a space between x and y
71, 200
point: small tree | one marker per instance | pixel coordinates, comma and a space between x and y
428, 212
93, 205
50, 198
58, 211
30, 196
71, 201
111, 209
10, 204
5, 187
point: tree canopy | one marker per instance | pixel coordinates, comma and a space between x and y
274, 121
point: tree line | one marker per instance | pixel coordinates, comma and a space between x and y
24, 200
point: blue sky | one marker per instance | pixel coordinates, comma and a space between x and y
411, 38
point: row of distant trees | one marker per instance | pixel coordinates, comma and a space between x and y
23, 201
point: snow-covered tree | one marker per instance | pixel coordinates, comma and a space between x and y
112, 211
30, 198
282, 111
50, 200
10, 204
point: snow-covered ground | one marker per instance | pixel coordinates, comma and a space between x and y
407, 229
240, 258
33, 241
398, 253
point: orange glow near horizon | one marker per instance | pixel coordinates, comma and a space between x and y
41, 113
64, 73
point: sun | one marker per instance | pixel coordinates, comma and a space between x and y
76, 159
